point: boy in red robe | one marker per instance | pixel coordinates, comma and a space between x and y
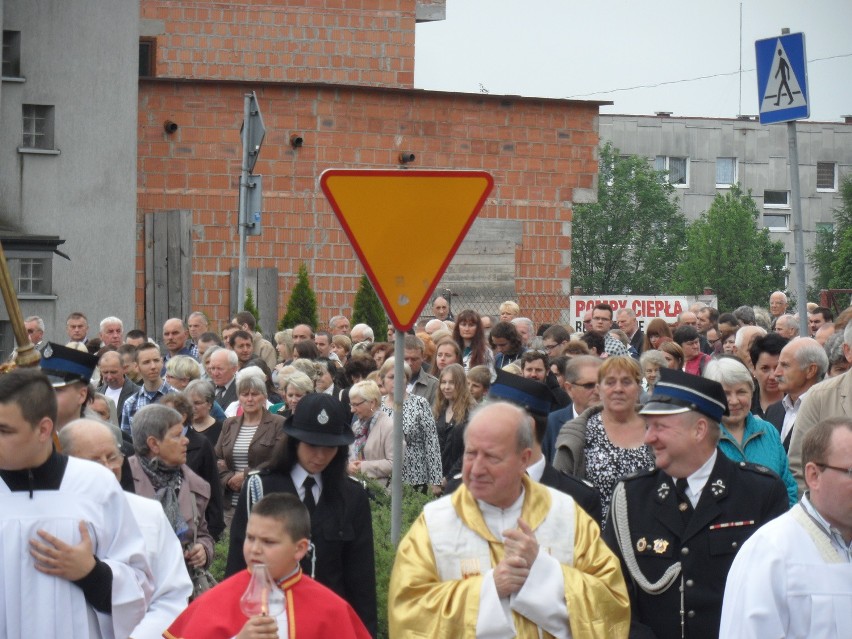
277, 535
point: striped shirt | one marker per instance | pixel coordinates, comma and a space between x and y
241, 450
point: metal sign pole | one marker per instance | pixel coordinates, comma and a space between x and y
242, 217
398, 398
798, 236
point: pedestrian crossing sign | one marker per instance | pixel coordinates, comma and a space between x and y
782, 78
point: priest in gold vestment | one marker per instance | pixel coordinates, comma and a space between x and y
504, 556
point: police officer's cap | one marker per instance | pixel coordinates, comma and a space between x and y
680, 392
64, 365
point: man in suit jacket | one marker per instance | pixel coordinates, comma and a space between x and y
421, 382
581, 377
222, 368
115, 384
626, 318
677, 528
801, 365
831, 398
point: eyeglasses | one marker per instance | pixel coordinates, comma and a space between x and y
587, 386
357, 404
550, 347
845, 471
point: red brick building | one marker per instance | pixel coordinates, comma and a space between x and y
340, 75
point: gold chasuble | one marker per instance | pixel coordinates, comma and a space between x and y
440, 566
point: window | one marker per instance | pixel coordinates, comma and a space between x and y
11, 54
31, 273
776, 221
7, 341
38, 126
776, 199
824, 227
147, 57
726, 172
678, 169
826, 176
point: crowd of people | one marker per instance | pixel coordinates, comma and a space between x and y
612, 482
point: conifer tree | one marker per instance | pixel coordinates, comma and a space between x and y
251, 307
367, 309
302, 306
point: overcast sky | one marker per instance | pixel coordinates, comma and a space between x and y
585, 49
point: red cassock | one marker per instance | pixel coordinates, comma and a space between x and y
313, 611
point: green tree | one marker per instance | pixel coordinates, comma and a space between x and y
250, 306
302, 306
830, 255
631, 240
726, 251
367, 309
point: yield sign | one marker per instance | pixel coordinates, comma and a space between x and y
405, 227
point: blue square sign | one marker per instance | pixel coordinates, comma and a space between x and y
782, 78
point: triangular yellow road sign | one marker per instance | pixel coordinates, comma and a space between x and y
405, 226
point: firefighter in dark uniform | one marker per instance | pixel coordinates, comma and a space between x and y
677, 528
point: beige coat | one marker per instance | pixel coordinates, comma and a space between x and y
830, 398
378, 450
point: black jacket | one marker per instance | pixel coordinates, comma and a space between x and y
775, 414
737, 500
229, 397
342, 535
126, 391
202, 460
584, 493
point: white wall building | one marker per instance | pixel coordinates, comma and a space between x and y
68, 118
704, 156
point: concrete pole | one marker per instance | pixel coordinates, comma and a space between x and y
398, 398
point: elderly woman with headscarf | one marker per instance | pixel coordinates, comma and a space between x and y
159, 471
247, 440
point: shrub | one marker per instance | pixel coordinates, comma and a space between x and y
302, 306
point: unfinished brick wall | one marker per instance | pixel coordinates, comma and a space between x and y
363, 42
340, 74
539, 152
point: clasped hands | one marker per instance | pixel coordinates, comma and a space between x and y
521, 549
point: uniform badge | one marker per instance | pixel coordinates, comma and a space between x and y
718, 487
322, 418
47, 352
641, 545
660, 546
683, 506
663, 490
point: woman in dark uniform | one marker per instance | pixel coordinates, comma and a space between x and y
311, 463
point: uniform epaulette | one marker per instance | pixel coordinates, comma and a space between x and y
358, 481
255, 471
642, 472
757, 468
579, 480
